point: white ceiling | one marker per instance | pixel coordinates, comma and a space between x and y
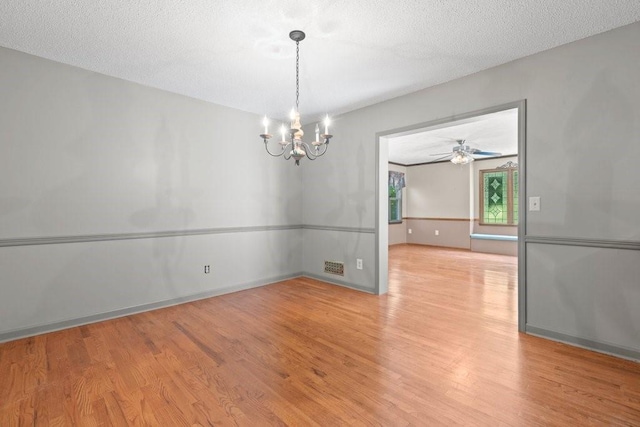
495, 132
357, 52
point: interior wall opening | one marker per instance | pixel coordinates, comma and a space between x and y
457, 183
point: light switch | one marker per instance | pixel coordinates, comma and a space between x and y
534, 203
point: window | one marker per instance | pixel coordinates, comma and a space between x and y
396, 183
499, 195
395, 204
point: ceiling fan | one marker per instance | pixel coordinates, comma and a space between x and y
463, 154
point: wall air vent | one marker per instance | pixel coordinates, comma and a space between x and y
334, 267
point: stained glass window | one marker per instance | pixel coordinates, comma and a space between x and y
499, 196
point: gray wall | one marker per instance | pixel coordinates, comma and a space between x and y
338, 203
582, 156
440, 190
398, 233
88, 158
452, 233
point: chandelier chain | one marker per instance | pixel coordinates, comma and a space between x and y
297, 76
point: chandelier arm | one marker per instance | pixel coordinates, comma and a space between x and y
321, 152
312, 154
307, 151
266, 146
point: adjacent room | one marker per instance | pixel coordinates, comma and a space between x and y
463, 184
305, 213
461, 202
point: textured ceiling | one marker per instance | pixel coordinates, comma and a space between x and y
357, 52
495, 132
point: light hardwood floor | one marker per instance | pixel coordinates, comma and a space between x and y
442, 348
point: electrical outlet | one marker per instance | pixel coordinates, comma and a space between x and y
437, 232
410, 231
207, 269
359, 264
534, 203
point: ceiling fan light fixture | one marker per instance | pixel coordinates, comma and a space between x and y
461, 158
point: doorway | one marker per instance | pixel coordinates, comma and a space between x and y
450, 141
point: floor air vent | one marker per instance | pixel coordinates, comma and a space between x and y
334, 267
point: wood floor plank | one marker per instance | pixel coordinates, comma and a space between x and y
441, 348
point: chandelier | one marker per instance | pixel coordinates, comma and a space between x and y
294, 147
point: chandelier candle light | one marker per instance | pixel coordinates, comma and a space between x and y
295, 147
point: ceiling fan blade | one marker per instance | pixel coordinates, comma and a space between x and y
441, 154
487, 153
